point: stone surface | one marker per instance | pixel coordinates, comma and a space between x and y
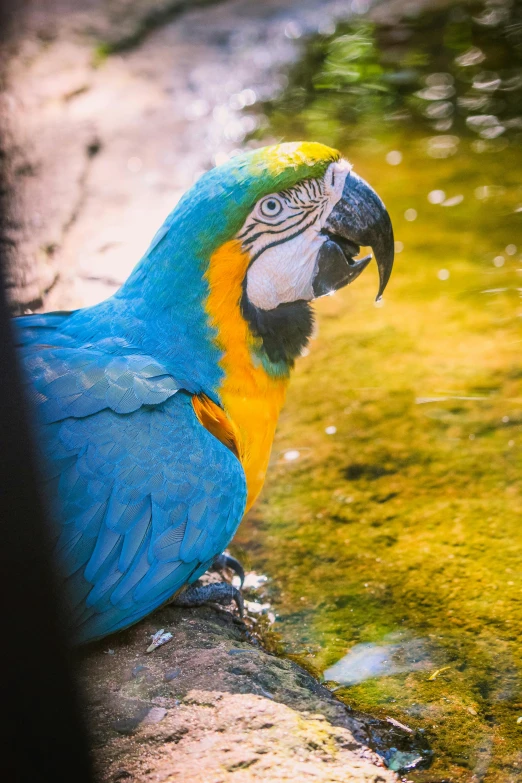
209, 706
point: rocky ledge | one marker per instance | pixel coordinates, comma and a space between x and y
210, 706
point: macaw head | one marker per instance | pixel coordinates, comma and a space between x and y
264, 235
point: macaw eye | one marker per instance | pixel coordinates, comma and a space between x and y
271, 207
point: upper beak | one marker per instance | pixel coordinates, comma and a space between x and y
358, 218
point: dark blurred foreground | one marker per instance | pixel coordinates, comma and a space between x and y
42, 736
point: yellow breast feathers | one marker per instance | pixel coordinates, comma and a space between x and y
251, 398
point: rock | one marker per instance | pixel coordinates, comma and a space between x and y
210, 707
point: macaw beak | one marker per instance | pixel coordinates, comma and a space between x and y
358, 218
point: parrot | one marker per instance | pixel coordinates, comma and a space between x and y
155, 410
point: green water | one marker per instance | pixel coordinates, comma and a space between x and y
394, 542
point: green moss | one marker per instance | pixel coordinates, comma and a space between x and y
405, 524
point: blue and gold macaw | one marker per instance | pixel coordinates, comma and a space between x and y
157, 407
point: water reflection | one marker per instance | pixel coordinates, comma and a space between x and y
388, 657
457, 69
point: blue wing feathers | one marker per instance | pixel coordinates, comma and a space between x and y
106, 543
156, 576
77, 382
133, 541
133, 574
166, 547
144, 497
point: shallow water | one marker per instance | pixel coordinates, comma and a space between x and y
391, 520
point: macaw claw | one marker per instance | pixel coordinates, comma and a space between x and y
227, 561
218, 593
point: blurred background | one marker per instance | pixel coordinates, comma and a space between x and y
389, 528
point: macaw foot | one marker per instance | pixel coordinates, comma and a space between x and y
218, 593
227, 561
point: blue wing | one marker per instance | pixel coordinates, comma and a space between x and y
144, 496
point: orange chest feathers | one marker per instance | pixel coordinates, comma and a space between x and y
251, 398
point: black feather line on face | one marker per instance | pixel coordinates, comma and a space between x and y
285, 330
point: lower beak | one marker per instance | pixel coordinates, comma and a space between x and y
358, 218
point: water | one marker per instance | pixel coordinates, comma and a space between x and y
391, 520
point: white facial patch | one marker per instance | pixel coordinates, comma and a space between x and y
283, 236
